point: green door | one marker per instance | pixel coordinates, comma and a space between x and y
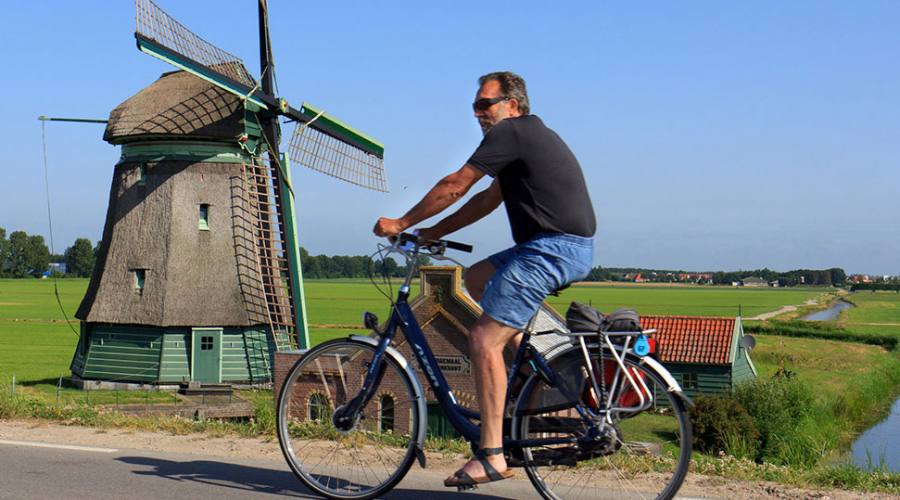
206, 355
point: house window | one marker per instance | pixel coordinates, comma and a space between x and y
386, 417
318, 407
204, 217
689, 381
206, 343
139, 276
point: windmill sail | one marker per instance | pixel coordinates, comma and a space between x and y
327, 153
320, 142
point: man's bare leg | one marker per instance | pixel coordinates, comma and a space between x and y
486, 341
477, 276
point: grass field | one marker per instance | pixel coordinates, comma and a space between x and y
875, 312
685, 300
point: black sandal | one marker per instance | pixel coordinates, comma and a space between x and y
463, 481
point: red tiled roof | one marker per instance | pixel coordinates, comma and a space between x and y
692, 339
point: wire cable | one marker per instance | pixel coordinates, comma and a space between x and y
50, 224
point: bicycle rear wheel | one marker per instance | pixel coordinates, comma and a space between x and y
359, 459
635, 455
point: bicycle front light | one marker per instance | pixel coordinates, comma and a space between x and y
371, 321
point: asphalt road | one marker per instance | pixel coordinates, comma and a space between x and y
31, 471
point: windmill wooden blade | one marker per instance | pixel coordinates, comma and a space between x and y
163, 37
323, 143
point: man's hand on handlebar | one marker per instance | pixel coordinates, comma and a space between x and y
388, 227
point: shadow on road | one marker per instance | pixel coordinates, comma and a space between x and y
261, 480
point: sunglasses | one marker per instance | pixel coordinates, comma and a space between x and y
483, 104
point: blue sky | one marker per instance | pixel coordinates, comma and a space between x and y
713, 135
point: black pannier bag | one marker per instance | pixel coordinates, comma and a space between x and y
622, 320
583, 318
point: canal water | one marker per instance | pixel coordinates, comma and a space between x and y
880, 444
829, 314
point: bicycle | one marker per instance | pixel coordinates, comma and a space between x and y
572, 423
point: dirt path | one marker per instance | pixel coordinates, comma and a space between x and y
785, 309
438, 465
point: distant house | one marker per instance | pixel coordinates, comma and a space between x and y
55, 268
704, 355
754, 281
860, 278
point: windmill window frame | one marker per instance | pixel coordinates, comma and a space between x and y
139, 280
203, 222
142, 174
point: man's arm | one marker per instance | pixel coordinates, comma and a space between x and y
446, 192
474, 210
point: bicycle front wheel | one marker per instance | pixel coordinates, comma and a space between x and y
356, 458
637, 454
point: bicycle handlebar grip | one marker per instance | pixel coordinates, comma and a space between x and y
462, 247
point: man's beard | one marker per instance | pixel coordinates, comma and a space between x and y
485, 125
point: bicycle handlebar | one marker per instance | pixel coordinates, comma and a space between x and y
413, 238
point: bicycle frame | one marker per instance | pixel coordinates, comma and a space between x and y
460, 417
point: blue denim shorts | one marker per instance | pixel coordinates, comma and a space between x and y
528, 272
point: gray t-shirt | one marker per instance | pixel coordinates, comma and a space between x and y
542, 183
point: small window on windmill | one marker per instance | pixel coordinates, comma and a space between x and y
142, 174
204, 217
139, 276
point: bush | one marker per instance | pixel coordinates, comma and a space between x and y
783, 409
723, 424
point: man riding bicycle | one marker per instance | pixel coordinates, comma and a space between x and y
541, 184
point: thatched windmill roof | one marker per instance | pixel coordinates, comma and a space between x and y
178, 105
190, 276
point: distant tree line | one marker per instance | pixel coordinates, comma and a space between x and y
356, 266
23, 255
827, 277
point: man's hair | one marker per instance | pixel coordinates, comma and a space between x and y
512, 86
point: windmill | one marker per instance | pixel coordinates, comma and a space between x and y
198, 272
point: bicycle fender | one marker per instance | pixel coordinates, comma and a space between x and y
417, 387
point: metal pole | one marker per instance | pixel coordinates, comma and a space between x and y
73, 120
